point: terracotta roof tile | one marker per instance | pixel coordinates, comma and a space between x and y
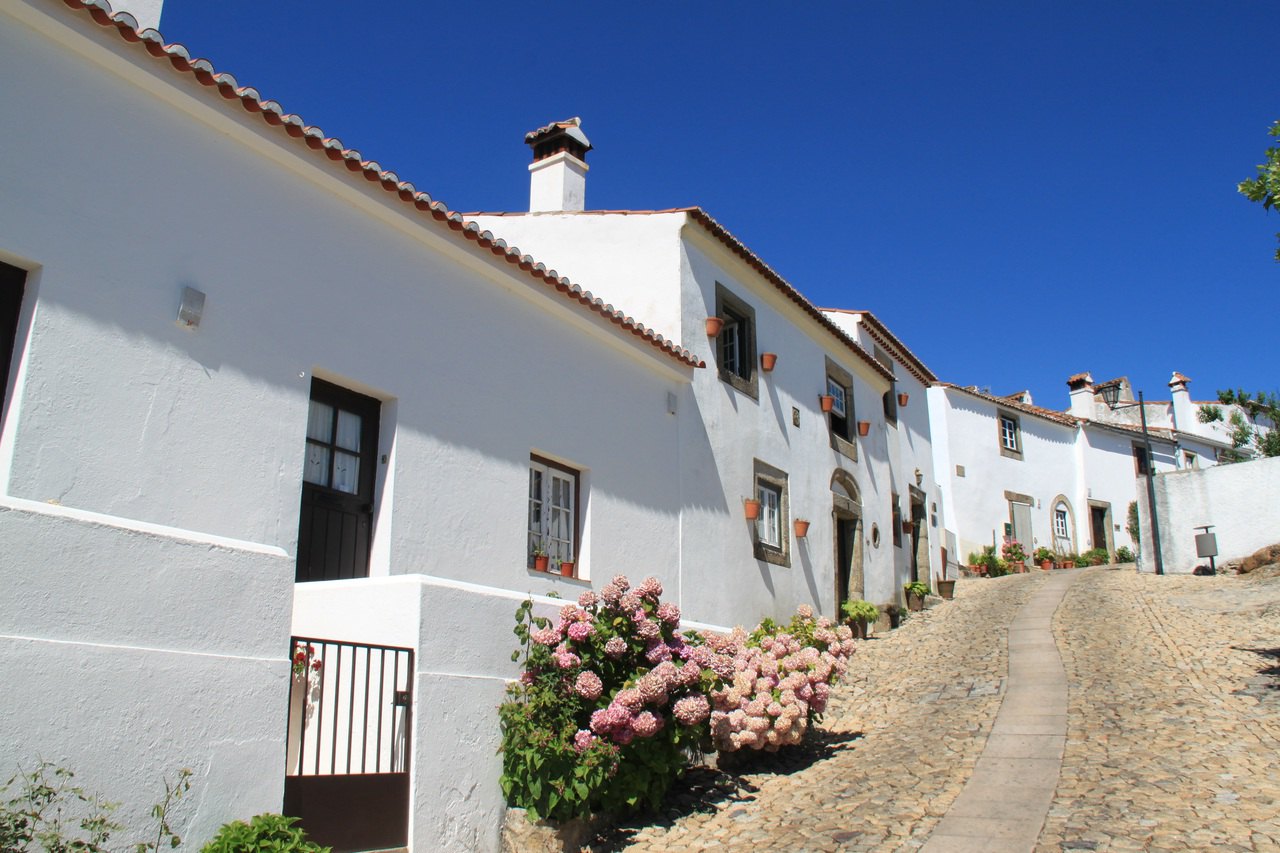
880, 334
753, 260
126, 26
1048, 414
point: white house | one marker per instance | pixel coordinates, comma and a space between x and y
757, 428
262, 388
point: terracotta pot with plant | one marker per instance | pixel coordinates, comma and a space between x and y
916, 591
540, 559
566, 568
1045, 558
859, 614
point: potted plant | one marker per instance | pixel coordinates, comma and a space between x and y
566, 568
714, 325
802, 528
895, 614
1044, 557
977, 565
859, 614
946, 588
1096, 556
768, 360
864, 427
1068, 560
827, 402
751, 508
916, 591
540, 558
1012, 552
902, 399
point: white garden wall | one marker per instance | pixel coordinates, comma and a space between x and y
1241, 500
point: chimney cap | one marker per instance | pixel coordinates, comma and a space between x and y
559, 136
1079, 380
1178, 379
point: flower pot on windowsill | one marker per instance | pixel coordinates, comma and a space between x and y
540, 562
566, 568
768, 360
827, 402
714, 325
902, 400
751, 509
864, 427
802, 528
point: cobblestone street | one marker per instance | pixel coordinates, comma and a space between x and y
1173, 729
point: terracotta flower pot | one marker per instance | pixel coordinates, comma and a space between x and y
1046, 565
768, 360
915, 603
751, 509
827, 402
1069, 564
566, 568
947, 589
540, 563
864, 427
802, 528
902, 399
714, 325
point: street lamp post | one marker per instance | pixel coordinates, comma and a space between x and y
1111, 396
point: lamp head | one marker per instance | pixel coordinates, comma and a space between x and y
1110, 394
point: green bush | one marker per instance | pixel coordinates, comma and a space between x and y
915, 588
51, 814
1096, 557
264, 833
1124, 555
859, 611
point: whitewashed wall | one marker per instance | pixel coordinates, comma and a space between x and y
976, 505
1110, 476
627, 259
134, 187
1242, 500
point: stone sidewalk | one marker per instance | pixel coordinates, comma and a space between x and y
1172, 728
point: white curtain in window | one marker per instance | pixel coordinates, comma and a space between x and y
769, 524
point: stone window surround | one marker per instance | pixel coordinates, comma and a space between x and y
1003, 415
749, 384
843, 445
763, 472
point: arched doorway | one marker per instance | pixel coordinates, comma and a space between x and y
846, 512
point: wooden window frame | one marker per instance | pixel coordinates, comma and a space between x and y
841, 430
741, 318
1003, 417
550, 469
766, 477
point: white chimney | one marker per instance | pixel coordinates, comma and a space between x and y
1081, 388
558, 173
1184, 411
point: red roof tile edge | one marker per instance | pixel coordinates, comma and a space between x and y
881, 334
1047, 414
273, 114
753, 260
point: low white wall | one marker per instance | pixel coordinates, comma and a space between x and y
105, 672
1242, 501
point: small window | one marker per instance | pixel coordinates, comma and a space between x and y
840, 420
553, 511
736, 345
1189, 460
1060, 522
890, 398
1010, 435
772, 539
1140, 460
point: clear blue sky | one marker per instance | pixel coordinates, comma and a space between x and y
1020, 190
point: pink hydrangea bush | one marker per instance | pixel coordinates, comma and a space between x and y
780, 682
614, 699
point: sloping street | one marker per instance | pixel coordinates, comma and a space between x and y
941, 740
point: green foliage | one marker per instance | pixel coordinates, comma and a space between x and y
161, 812
1096, 556
264, 833
1265, 188
1042, 554
860, 611
1135, 532
1124, 555
915, 588
51, 814
1248, 438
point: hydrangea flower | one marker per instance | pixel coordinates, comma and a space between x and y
579, 631
588, 685
616, 647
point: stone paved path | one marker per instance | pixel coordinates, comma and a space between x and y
1173, 727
